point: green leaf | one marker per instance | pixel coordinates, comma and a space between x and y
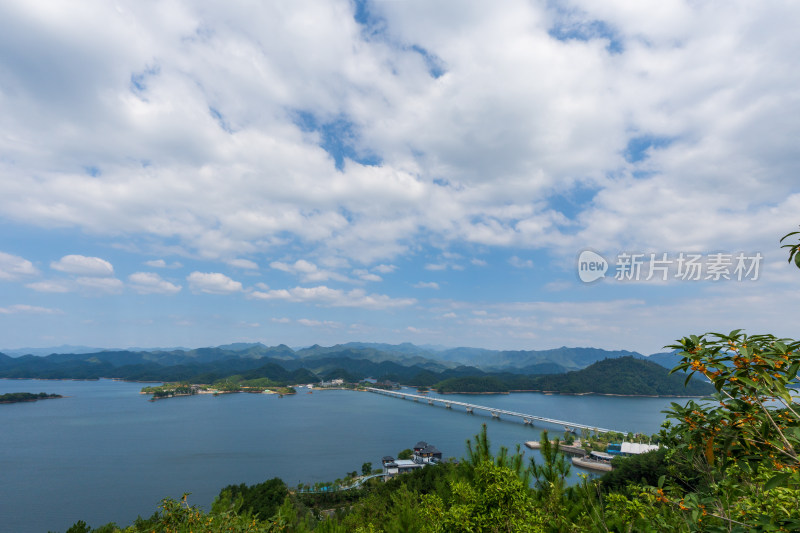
661, 481
746, 381
792, 373
779, 480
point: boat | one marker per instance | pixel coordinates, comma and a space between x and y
594, 461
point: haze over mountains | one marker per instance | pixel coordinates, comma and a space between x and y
551, 361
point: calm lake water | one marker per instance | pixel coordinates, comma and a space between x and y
104, 453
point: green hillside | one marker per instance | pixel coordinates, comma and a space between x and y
624, 375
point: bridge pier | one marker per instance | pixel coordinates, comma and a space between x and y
430, 402
469, 410
447, 405
528, 422
496, 415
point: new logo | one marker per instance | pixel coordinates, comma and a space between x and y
591, 266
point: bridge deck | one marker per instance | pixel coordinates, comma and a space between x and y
493, 410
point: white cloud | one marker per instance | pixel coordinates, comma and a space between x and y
13, 268
307, 271
436, 266
317, 323
243, 263
366, 275
478, 262
326, 296
199, 142
426, 285
29, 309
53, 285
151, 283
516, 262
160, 263
385, 269
100, 285
213, 283
83, 266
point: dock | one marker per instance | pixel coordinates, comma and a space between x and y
528, 419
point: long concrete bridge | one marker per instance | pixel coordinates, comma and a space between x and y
494, 411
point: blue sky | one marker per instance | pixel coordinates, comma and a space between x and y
197, 173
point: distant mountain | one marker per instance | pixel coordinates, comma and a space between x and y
405, 363
666, 359
64, 348
568, 358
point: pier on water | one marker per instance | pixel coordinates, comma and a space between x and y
528, 419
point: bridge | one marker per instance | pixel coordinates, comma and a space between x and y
494, 411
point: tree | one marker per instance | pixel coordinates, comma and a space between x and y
366, 469
794, 249
405, 454
745, 445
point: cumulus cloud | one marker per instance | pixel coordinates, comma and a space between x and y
52, 285
213, 283
327, 296
13, 268
366, 275
243, 263
160, 263
83, 266
426, 285
221, 143
385, 269
151, 283
307, 271
100, 285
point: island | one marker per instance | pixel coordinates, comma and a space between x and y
16, 397
227, 386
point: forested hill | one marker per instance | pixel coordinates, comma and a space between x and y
628, 376
625, 375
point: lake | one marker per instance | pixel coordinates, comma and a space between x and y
104, 453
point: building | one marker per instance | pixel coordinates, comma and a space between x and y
424, 454
630, 448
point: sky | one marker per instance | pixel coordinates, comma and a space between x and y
454, 173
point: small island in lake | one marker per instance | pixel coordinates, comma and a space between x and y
226, 386
15, 397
